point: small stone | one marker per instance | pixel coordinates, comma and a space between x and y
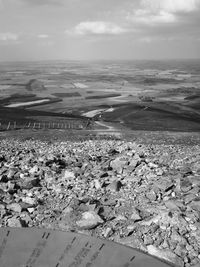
177, 238
135, 216
118, 165
185, 184
34, 170
14, 222
165, 184
40, 217
131, 241
114, 186
67, 210
68, 175
14, 207
29, 200
120, 218
172, 205
97, 184
131, 227
64, 227
151, 196
189, 247
173, 194
90, 220
11, 173
165, 244
187, 219
195, 205
188, 198
152, 165
26, 219
192, 227
30, 210
41, 159
135, 161
30, 183
159, 172
107, 232
166, 198
180, 251
22, 175
195, 180
2, 211
148, 240
195, 263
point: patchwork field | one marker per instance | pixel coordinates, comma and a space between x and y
138, 95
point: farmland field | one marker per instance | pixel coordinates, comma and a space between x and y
136, 95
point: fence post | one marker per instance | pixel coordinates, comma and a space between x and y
8, 127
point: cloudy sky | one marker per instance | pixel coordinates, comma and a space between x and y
99, 29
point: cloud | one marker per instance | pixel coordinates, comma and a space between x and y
144, 16
43, 36
98, 28
171, 6
155, 12
8, 36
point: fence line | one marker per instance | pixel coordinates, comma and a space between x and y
45, 125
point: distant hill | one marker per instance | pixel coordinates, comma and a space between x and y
35, 85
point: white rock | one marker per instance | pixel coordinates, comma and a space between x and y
90, 219
164, 254
34, 170
97, 184
135, 215
21, 175
30, 210
68, 175
107, 232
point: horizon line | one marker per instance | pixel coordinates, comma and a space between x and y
96, 60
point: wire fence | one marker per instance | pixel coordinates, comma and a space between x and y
64, 125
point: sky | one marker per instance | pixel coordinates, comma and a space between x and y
99, 29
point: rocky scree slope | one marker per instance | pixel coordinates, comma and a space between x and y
143, 196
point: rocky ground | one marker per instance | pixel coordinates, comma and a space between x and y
143, 196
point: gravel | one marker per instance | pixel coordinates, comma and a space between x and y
144, 196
